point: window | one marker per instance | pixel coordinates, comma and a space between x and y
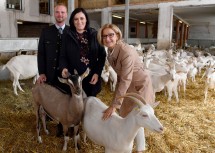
120, 1
14, 4
45, 6
133, 30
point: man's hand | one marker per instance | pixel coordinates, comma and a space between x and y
94, 79
65, 73
41, 79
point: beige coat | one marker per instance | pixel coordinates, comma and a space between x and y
131, 77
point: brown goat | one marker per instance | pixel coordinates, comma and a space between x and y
63, 108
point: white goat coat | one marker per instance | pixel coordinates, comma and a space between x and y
116, 134
22, 67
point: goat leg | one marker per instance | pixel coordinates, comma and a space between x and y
43, 118
38, 126
77, 138
66, 137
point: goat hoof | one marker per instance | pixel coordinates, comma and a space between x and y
47, 132
40, 139
64, 148
77, 151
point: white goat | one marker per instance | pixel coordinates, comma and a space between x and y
210, 81
117, 134
172, 86
22, 67
113, 78
160, 79
108, 74
192, 74
182, 81
64, 108
105, 75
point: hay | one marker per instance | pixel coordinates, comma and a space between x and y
189, 124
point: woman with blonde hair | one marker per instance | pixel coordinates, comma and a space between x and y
132, 77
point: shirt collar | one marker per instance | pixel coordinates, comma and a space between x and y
59, 26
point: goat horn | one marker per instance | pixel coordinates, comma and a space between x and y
142, 99
137, 101
85, 74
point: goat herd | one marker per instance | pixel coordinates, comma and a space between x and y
170, 71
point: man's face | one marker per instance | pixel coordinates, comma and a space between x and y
60, 13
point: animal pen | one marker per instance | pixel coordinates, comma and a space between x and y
188, 125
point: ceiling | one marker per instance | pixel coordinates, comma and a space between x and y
197, 15
201, 15
192, 15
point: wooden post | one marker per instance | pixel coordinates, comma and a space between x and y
185, 34
188, 28
126, 21
137, 29
181, 35
155, 29
177, 33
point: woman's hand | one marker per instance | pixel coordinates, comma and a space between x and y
65, 73
41, 79
94, 79
108, 112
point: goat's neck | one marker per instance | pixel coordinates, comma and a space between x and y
166, 78
76, 102
129, 127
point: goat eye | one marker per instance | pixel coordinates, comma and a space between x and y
144, 115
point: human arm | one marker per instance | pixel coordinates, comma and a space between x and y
124, 77
126, 60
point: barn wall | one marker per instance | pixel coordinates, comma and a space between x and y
203, 36
30, 12
202, 32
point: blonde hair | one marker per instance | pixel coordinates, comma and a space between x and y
111, 26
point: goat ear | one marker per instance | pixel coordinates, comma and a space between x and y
69, 74
62, 80
155, 104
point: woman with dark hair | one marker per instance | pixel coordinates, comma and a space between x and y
81, 50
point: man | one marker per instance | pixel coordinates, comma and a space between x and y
49, 50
